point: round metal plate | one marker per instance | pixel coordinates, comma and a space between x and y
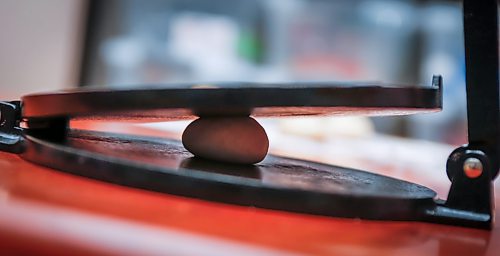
188, 101
276, 183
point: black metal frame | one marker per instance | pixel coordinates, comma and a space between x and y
474, 194
470, 200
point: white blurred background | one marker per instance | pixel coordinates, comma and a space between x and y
53, 44
40, 45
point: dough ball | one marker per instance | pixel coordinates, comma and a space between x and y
240, 140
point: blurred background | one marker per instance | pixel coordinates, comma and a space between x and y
54, 44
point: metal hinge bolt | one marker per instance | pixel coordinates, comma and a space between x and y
473, 167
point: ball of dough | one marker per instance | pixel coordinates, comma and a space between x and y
240, 140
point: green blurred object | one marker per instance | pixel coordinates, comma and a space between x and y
250, 46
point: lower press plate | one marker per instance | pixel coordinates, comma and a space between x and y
164, 166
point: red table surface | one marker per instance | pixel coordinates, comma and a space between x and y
46, 212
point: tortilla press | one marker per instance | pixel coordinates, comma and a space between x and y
37, 128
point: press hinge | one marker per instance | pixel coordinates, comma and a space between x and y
11, 139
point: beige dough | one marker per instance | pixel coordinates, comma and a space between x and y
240, 140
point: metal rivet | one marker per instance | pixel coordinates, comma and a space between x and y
473, 167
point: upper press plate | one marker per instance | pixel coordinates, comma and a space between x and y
226, 99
